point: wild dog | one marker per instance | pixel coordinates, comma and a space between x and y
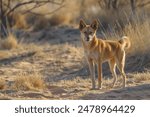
98, 51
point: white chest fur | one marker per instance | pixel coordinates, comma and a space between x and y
92, 55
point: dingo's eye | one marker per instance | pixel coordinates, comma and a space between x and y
90, 33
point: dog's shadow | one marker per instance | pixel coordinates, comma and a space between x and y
7, 61
129, 93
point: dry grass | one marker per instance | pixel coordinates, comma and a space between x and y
20, 21
29, 82
9, 43
2, 84
60, 19
139, 77
4, 54
71, 12
40, 23
139, 34
68, 14
137, 30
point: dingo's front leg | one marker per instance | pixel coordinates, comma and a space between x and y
92, 71
99, 75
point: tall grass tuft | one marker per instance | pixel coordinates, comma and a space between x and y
9, 42
29, 82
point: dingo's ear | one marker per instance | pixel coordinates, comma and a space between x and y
95, 24
82, 24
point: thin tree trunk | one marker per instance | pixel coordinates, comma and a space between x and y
1, 7
3, 23
115, 4
133, 6
82, 8
109, 4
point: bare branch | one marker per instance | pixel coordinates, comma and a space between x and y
34, 2
6, 7
144, 4
55, 10
34, 7
48, 13
8, 4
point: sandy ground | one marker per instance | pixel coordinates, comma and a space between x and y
57, 55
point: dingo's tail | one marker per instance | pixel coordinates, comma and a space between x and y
125, 42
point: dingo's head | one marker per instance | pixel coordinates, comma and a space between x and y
88, 32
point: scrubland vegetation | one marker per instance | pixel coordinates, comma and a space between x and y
41, 56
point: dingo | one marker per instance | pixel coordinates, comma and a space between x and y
98, 51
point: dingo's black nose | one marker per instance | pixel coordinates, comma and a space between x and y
88, 38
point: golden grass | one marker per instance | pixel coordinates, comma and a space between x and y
139, 36
4, 54
60, 19
2, 84
20, 21
29, 82
66, 15
9, 42
139, 77
137, 31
